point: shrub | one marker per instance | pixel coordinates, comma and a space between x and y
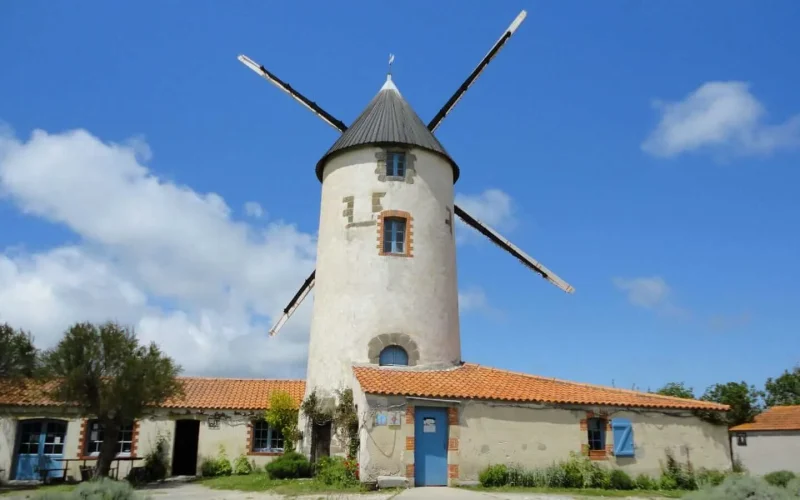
216, 466
779, 478
667, 483
556, 477
645, 482
242, 466
710, 477
336, 471
100, 489
620, 480
156, 462
494, 475
741, 488
682, 475
290, 465
794, 487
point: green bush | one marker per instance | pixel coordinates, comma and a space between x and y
216, 466
336, 471
710, 477
100, 489
645, 482
682, 475
620, 480
738, 487
555, 477
494, 475
290, 465
156, 462
779, 478
667, 483
794, 487
242, 466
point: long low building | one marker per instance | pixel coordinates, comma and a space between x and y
38, 434
432, 427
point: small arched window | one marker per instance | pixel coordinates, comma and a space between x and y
393, 355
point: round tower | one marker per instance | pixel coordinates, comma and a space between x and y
386, 289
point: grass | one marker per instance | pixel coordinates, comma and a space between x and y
261, 482
37, 490
588, 492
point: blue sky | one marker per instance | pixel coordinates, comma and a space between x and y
645, 151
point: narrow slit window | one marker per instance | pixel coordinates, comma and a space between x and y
394, 235
396, 164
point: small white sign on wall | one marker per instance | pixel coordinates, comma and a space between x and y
395, 417
381, 418
429, 424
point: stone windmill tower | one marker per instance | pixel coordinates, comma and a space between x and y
386, 286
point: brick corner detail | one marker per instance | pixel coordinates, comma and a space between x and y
452, 471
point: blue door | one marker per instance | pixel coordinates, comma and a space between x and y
40, 443
430, 446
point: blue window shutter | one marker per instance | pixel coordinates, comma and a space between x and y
623, 437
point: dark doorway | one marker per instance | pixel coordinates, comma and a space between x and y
184, 454
320, 441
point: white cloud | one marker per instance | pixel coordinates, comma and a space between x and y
153, 254
253, 209
473, 300
722, 115
651, 293
492, 207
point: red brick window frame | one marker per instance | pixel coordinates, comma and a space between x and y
86, 435
253, 428
596, 427
408, 236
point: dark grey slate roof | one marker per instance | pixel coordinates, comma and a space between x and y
388, 120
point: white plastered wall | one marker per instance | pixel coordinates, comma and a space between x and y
360, 294
769, 451
536, 436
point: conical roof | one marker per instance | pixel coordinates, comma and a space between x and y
388, 120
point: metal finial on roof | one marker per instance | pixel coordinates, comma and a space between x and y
391, 60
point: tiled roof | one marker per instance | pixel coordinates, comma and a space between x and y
200, 393
777, 418
471, 381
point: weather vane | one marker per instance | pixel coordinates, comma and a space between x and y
391, 60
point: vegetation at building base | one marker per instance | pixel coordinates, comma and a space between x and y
216, 466
580, 472
290, 465
582, 476
340, 412
101, 488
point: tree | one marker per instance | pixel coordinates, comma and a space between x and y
784, 390
109, 376
18, 355
282, 415
676, 390
743, 400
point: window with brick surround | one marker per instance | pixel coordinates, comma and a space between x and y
596, 427
394, 235
395, 164
94, 438
265, 438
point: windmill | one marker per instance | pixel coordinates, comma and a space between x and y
434, 123
389, 122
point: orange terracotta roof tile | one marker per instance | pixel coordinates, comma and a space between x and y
200, 393
471, 381
777, 418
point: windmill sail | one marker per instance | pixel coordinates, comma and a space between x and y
298, 298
